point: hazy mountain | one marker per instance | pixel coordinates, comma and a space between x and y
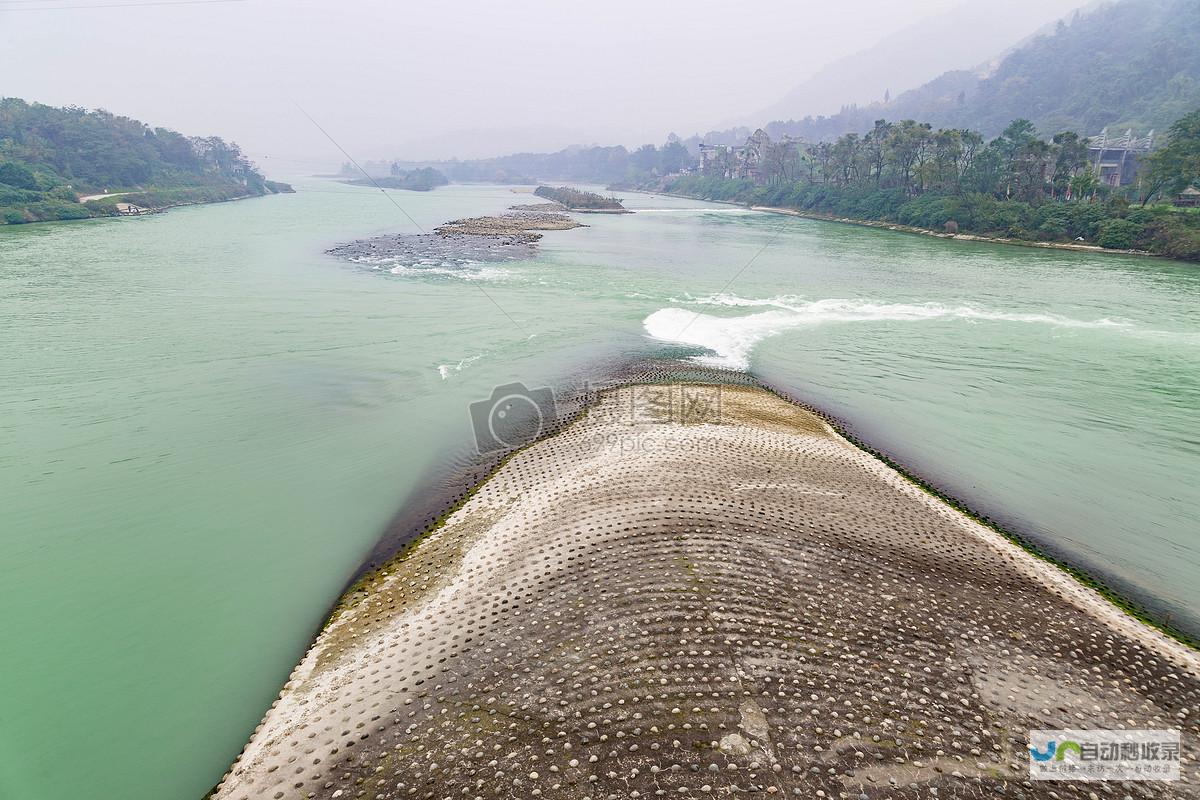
967, 35
1131, 64
1134, 63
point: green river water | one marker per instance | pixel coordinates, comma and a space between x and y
207, 423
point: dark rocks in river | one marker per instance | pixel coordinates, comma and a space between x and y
458, 244
435, 250
511, 224
551, 207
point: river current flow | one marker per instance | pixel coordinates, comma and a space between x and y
209, 419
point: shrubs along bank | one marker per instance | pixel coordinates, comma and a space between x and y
1115, 224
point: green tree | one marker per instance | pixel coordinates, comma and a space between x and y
19, 176
1013, 146
1173, 168
944, 166
875, 149
674, 156
782, 161
906, 149
1084, 184
844, 157
822, 158
645, 158
1072, 156
1118, 234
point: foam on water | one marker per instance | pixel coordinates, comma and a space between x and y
732, 339
446, 370
463, 272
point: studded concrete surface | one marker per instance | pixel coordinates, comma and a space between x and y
659, 603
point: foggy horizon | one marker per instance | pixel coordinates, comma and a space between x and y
464, 81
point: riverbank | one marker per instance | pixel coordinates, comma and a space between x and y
1038, 218
966, 237
898, 228
132, 204
705, 589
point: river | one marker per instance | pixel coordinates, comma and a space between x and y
207, 422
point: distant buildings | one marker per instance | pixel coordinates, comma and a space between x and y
1189, 199
1115, 158
712, 158
758, 160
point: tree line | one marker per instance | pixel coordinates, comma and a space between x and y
1016, 185
595, 164
914, 158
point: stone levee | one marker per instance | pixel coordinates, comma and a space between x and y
707, 592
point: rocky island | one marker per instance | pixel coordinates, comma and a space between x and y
459, 244
425, 179
521, 225
581, 201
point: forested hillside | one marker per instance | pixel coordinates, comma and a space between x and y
49, 157
967, 34
1130, 64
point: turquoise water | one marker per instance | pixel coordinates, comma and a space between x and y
206, 423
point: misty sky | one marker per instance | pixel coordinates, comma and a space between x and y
434, 79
